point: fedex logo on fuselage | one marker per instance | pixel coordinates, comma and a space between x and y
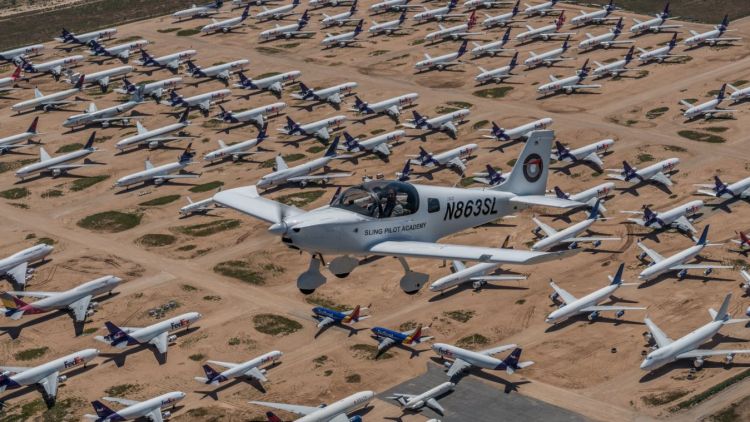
444, 352
603, 191
692, 209
185, 55
180, 323
394, 137
405, 100
73, 362
465, 151
218, 95
168, 400
602, 147
668, 165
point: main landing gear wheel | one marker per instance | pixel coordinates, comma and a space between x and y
412, 281
311, 279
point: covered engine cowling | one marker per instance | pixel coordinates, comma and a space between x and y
172, 338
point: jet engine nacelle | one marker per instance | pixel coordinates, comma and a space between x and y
681, 275
619, 313
56, 172
90, 312
94, 305
235, 158
649, 338
568, 91
708, 271
166, 414
61, 379
447, 364
573, 245
553, 296
355, 419
641, 256
478, 284
594, 315
698, 362
597, 243
153, 144
729, 358
171, 338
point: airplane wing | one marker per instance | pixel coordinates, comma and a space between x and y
552, 78
18, 273
590, 86
719, 110
124, 402
434, 405
323, 133
325, 322
318, 177
224, 364
68, 166
124, 54
291, 408
458, 163
385, 343
49, 383
247, 201
660, 338
205, 105
13, 369
458, 366
175, 176
725, 39
590, 239
160, 341
564, 295
683, 224
449, 126
593, 158
546, 201
651, 253
498, 278
383, 149
173, 65
662, 178
334, 99
699, 353
603, 308
549, 231
460, 252
155, 415
699, 267
255, 373
80, 307
34, 294
499, 349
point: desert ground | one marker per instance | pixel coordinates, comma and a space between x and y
575, 366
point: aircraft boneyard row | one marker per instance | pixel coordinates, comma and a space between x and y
380, 217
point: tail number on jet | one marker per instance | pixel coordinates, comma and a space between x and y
472, 207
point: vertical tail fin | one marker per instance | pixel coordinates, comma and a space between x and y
618, 276
704, 236
722, 91
187, 154
405, 172
90, 142
272, 417
331, 151
560, 194
462, 48
513, 61
32, 128
511, 362
11, 302
529, 174
722, 314
629, 55
506, 36
594, 214
263, 133
16, 73
79, 83
627, 169
101, 409
673, 41
211, 374
245, 13
184, 117
724, 24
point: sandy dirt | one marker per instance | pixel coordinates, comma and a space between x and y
575, 367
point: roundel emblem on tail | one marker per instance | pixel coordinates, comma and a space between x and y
532, 168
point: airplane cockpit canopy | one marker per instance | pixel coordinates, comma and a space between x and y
380, 199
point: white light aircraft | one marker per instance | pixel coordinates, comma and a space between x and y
428, 213
687, 346
677, 262
159, 175
156, 334
677, 217
16, 267
570, 235
77, 300
463, 360
334, 412
589, 304
150, 409
60, 164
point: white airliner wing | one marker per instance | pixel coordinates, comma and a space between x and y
49, 383
292, 408
34, 294
12, 370
79, 308
224, 364
549, 231
247, 200
255, 373
461, 252
458, 366
564, 295
457, 163
18, 273
318, 177
660, 338
334, 99
699, 267
590, 239
593, 158
385, 343
546, 201
323, 133
651, 253
699, 353
590, 86
160, 341
683, 224
383, 149
325, 322
155, 415
499, 349
434, 405
662, 178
